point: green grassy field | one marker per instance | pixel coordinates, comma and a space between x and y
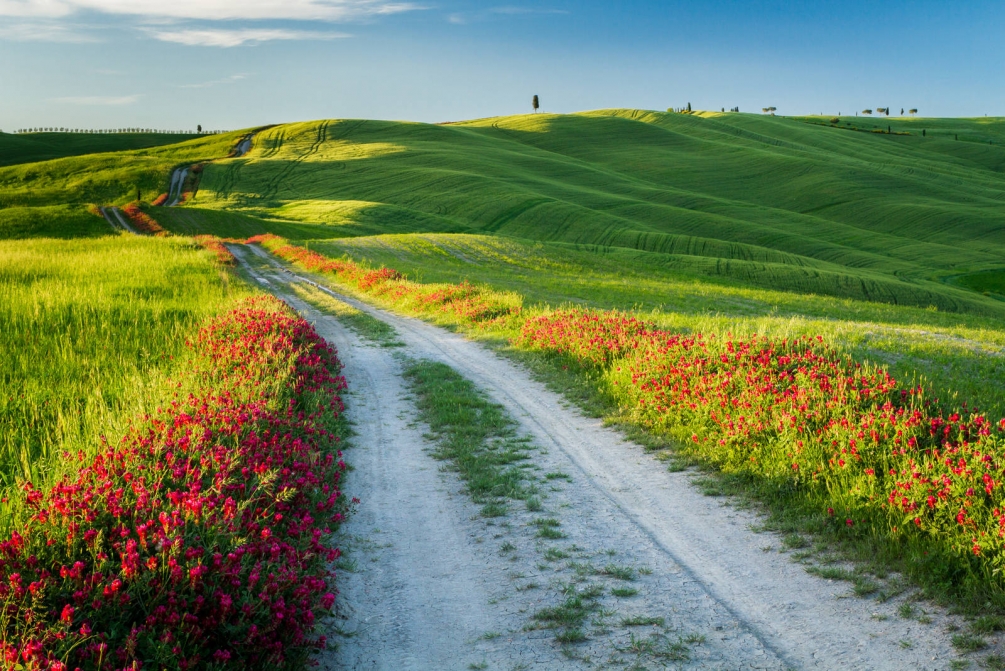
50, 198
980, 131
89, 329
32, 147
760, 201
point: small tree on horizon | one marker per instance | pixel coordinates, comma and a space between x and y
912, 112
536, 103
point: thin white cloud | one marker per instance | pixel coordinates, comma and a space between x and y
303, 10
494, 12
34, 8
525, 10
98, 100
35, 31
216, 82
213, 37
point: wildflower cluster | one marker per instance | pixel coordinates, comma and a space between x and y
142, 221
463, 302
798, 410
201, 539
159, 200
215, 245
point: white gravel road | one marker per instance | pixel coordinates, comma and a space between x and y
435, 587
177, 183
117, 220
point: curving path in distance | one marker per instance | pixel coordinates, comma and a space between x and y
178, 175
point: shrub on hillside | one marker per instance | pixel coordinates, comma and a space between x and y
217, 246
142, 221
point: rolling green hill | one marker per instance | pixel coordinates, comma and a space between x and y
32, 147
50, 198
761, 201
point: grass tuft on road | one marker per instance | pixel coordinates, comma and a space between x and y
475, 435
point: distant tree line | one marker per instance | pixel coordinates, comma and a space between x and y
886, 111
771, 110
49, 129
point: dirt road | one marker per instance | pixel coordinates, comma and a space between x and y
435, 587
175, 188
116, 219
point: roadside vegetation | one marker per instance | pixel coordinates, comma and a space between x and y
90, 329
855, 452
200, 539
169, 460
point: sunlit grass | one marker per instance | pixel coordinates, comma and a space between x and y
88, 332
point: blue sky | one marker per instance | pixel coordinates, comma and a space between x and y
237, 63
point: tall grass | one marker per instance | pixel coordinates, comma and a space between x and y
88, 331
